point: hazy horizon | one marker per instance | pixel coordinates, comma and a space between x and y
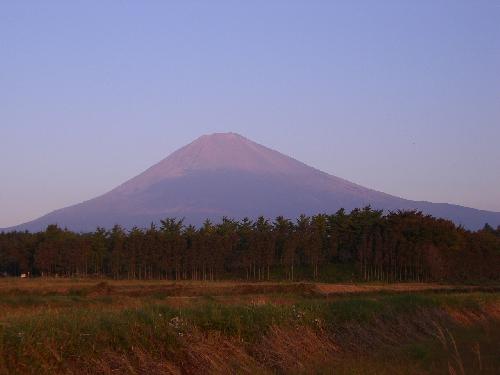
400, 98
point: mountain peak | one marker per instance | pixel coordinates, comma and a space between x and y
226, 174
209, 142
226, 136
216, 152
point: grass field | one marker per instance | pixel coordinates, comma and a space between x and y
73, 326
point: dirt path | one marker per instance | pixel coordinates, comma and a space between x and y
137, 288
333, 289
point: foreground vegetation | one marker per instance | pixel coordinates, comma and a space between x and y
85, 326
361, 245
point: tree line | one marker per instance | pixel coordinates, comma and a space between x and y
373, 246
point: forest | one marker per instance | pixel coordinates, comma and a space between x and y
361, 245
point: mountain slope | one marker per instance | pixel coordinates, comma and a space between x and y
227, 174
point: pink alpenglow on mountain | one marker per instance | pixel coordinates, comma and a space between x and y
225, 174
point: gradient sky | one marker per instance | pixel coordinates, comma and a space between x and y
399, 96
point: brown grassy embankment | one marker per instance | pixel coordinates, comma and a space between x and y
68, 326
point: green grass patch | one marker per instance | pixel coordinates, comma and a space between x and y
87, 326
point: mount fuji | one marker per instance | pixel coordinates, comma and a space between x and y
225, 174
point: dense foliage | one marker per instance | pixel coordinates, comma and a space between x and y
399, 246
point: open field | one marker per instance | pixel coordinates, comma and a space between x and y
87, 326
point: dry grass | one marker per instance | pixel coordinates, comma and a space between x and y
136, 288
50, 326
340, 289
296, 349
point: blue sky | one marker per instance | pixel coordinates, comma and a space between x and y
399, 96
